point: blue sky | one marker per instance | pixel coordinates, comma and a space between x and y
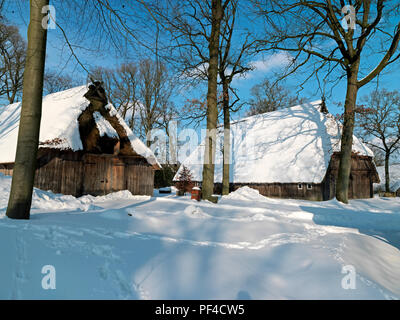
59, 58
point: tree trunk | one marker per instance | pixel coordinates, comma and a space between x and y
342, 184
29, 127
227, 139
212, 105
148, 132
387, 177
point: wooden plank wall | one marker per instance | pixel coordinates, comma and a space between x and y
94, 175
279, 190
117, 181
104, 174
60, 172
139, 179
75, 174
363, 175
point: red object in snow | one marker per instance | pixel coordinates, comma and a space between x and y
196, 193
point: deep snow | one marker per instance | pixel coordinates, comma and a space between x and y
166, 247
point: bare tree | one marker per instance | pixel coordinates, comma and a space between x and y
104, 75
121, 86
155, 89
379, 124
232, 63
55, 82
269, 96
195, 28
217, 14
12, 62
141, 92
312, 31
126, 94
28, 135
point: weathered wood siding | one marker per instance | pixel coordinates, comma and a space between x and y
77, 174
363, 175
106, 173
280, 190
60, 172
139, 179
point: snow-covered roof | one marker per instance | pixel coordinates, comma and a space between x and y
59, 126
289, 145
105, 128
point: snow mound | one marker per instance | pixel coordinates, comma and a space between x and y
44, 200
195, 212
119, 195
47, 200
244, 194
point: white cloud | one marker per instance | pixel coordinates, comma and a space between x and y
277, 60
260, 67
267, 64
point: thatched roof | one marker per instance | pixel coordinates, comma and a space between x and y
72, 122
286, 146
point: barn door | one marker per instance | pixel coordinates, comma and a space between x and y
94, 175
139, 179
116, 173
103, 175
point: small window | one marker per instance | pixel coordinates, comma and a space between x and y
309, 186
300, 186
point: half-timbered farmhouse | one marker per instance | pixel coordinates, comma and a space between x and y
85, 146
289, 153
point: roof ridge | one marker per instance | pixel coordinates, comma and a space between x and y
310, 104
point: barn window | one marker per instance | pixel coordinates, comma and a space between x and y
309, 186
300, 186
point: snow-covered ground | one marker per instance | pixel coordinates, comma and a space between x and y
166, 247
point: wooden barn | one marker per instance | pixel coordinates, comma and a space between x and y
85, 146
289, 153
